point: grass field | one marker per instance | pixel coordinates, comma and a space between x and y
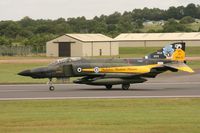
8, 73
101, 116
194, 64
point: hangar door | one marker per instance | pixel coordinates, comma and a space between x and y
64, 49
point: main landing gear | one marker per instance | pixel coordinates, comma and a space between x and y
108, 87
124, 86
50, 83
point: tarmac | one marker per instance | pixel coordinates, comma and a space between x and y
164, 86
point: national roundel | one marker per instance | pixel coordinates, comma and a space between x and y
96, 69
79, 69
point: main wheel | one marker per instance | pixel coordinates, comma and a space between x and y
108, 87
125, 86
51, 88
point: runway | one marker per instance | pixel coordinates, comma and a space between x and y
71, 91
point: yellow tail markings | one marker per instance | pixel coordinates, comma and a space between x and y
178, 55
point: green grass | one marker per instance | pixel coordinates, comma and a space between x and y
142, 51
8, 73
25, 57
193, 51
136, 51
194, 64
101, 116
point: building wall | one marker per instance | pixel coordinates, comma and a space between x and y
104, 46
87, 49
156, 43
51, 49
131, 44
76, 49
115, 48
93, 49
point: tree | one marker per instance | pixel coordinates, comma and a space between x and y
198, 12
176, 13
78, 25
5, 41
187, 20
9, 29
191, 10
113, 18
125, 23
26, 22
173, 26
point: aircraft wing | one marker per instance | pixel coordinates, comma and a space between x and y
113, 75
179, 66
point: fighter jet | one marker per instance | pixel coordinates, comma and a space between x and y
114, 71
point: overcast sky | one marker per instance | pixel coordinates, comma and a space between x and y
53, 9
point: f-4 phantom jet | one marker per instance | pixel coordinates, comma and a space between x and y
114, 71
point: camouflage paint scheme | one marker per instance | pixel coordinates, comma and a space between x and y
114, 71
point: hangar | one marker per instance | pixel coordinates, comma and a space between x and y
157, 39
78, 45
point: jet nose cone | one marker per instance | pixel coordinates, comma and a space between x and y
25, 73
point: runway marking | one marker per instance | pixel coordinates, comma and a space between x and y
112, 97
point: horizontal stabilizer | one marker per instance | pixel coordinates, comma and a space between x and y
180, 66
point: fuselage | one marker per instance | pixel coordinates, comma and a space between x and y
77, 67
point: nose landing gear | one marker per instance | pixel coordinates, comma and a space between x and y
50, 83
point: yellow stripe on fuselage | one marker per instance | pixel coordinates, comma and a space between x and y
123, 69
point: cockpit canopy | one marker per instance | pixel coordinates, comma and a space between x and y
66, 60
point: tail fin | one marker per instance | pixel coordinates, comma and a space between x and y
175, 51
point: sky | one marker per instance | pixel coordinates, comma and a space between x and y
54, 9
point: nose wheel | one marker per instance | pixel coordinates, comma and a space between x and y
51, 87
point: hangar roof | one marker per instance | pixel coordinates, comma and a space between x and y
158, 36
90, 37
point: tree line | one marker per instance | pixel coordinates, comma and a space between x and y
30, 32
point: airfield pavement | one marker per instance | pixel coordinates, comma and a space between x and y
166, 85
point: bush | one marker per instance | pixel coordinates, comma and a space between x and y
187, 20
173, 26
